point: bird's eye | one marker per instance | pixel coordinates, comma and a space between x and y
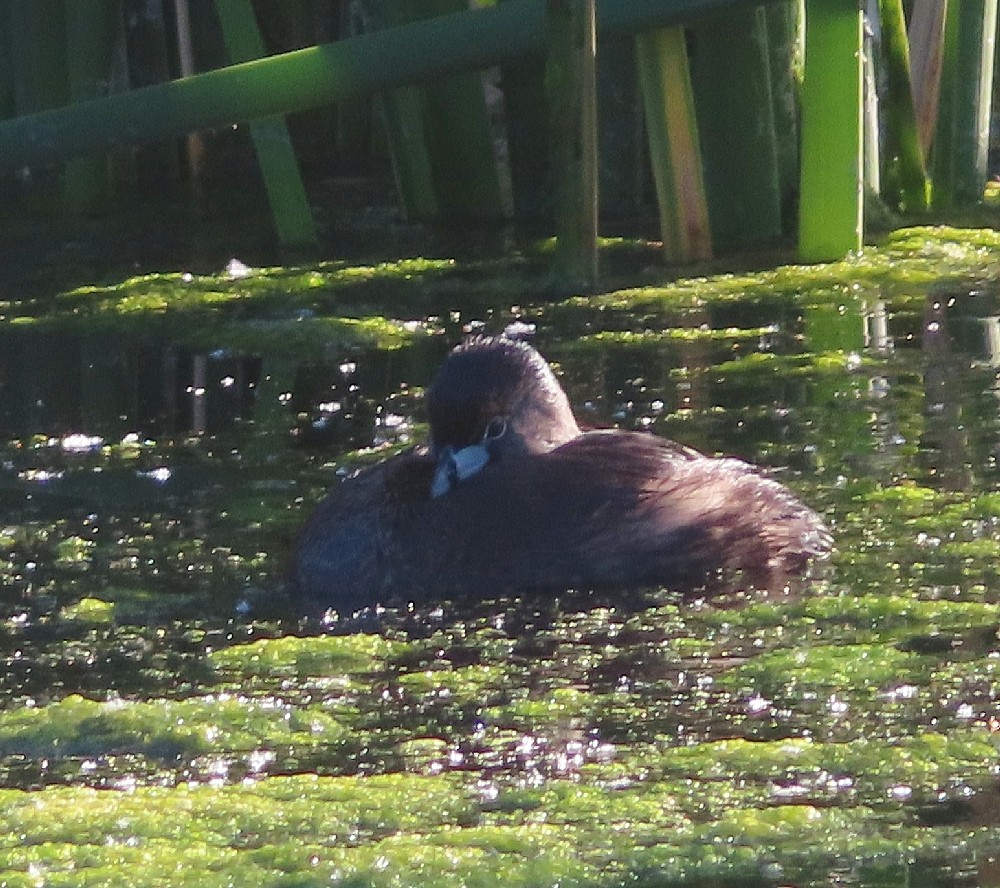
496, 428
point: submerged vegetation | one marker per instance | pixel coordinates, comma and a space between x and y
166, 718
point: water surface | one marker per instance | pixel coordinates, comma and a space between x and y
163, 438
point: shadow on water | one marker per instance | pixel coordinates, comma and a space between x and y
151, 491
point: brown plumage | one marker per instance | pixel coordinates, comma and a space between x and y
510, 496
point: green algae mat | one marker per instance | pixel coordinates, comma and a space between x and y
166, 719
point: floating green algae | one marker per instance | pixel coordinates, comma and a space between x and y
89, 610
250, 310
268, 286
300, 657
311, 831
867, 669
163, 729
156, 728
910, 258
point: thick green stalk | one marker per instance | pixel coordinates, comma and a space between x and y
527, 129
785, 45
282, 180
570, 89
621, 143
404, 111
439, 133
736, 127
526, 120
961, 139
830, 211
316, 76
38, 55
91, 38
461, 139
904, 178
37, 44
672, 127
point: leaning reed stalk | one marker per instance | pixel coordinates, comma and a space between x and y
904, 177
282, 179
674, 149
961, 138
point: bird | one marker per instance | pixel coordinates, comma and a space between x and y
510, 496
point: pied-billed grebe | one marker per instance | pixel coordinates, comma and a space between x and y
511, 496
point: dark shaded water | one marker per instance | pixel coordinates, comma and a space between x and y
151, 491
